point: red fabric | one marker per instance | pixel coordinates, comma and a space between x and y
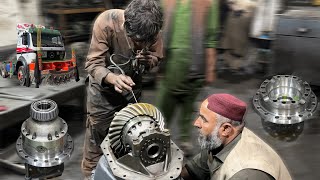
227, 105
3, 108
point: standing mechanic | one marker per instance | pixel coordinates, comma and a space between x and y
128, 39
235, 39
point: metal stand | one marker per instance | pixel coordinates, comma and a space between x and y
43, 172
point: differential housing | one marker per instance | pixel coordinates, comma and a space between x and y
285, 99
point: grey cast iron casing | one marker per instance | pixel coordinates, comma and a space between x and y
139, 147
285, 99
44, 141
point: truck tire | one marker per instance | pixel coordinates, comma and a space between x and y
4, 73
24, 76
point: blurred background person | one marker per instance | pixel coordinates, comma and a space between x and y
121, 33
190, 36
235, 35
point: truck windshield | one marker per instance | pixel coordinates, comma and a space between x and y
48, 40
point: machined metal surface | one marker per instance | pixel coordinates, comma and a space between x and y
138, 146
285, 99
125, 115
44, 110
44, 141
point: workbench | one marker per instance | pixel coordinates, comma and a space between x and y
17, 99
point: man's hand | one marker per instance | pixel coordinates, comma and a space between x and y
147, 59
120, 82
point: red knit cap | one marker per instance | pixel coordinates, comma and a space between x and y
227, 105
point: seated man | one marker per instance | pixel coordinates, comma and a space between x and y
229, 150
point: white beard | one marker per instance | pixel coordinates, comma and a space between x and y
211, 141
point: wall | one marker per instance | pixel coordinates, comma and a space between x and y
13, 12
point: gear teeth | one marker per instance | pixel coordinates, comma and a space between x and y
121, 149
112, 135
160, 120
122, 117
118, 123
125, 115
115, 128
115, 143
135, 110
145, 108
117, 146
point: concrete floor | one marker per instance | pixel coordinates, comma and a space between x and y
299, 152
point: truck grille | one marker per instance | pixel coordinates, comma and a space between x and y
53, 55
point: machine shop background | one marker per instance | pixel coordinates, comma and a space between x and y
284, 39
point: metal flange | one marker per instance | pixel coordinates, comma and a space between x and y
285, 99
44, 141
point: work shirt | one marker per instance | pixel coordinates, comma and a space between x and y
108, 38
181, 28
206, 163
109, 43
191, 27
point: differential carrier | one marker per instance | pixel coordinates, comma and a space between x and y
138, 147
285, 99
44, 141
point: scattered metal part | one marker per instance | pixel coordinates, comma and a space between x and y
12, 166
138, 147
44, 143
285, 99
